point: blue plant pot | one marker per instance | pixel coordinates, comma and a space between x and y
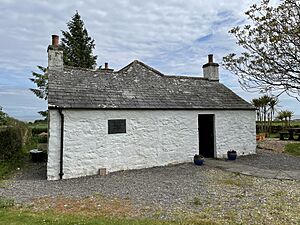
231, 155
198, 162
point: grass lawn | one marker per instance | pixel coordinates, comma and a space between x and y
293, 149
39, 125
280, 123
18, 217
8, 166
22, 217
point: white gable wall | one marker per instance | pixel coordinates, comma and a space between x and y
152, 138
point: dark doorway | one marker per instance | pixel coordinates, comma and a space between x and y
206, 135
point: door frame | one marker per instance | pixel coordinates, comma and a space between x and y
213, 130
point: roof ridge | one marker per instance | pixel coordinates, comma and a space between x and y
149, 67
99, 71
142, 64
80, 68
185, 77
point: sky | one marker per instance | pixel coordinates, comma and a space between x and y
172, 36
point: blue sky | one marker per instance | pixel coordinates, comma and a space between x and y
172, 36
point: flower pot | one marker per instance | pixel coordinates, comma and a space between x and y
36, 155
231, 155
198, 160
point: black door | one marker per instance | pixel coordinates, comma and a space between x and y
206, 135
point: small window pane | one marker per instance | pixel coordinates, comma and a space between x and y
116, 126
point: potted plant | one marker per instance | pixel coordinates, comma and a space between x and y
231, 155
198, 159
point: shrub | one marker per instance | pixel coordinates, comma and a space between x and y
12, 139
43, 139
10, 142
38, 130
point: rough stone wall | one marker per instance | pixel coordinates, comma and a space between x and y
53, 145
235, 130
55, 59
152, 138
211, 72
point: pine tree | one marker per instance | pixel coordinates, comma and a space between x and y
41, 81
78, 52
77, 45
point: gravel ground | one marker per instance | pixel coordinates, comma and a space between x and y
159, 183
266, 159
206, 191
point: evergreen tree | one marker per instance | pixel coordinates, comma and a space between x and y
41, 81
77, 45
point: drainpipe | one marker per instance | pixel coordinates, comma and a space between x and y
62, 119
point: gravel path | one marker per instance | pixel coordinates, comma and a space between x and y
186, 187
171, 183
266, 159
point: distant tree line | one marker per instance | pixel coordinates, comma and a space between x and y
265, 112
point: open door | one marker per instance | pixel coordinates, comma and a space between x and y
206, 135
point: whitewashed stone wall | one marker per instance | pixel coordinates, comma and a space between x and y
152, 138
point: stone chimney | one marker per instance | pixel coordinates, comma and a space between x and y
106, 68
55, 55
211, 69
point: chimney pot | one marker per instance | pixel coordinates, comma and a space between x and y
55, 55
210, 58
106, 69
55, 40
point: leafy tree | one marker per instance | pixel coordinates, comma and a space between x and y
44, 113
77, 45
257, 104
272, 103
265, 109
280, 117
271, 57
3, 117
285, 115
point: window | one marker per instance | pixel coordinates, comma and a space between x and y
116, 126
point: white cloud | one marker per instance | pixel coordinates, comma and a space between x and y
173, 36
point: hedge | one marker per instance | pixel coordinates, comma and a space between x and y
275, 128
38, 130
12, 139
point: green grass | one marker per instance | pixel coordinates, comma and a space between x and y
274, 135
6, 203
39, 125
15, 214
23, 217
7, 166
293, 149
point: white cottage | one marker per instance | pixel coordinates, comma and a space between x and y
138, 117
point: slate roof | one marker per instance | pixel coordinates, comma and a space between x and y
137, 86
